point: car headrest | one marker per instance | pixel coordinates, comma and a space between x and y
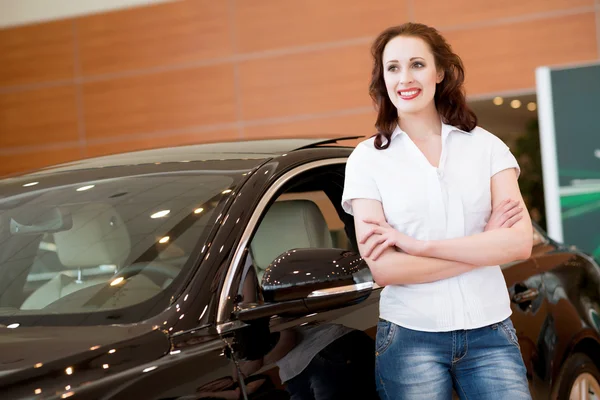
288, 225
98, 236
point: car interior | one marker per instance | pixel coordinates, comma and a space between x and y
95, 254
99, 236
306, 214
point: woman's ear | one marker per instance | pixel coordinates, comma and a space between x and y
440, 76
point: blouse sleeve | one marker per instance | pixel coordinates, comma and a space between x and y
502, 158
359, 182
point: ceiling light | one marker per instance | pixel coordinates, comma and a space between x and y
531, 106
227, 191
498, 101
69, 371
105, 366
515, 103
83, 188
160, 214
37, 391
198, 210
149, 369
13, 326
164, 240
30, 184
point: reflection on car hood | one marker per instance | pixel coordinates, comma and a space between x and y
51, 354
25, 347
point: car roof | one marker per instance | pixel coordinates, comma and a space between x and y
259, 150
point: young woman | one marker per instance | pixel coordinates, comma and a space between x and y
437, 208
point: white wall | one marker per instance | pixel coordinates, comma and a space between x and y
20, 12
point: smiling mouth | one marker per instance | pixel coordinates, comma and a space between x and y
409, 94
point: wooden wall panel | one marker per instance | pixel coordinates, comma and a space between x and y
170, 33
28, 161
36, 53
359, 124
268, 24
193, 71
314, 82
505, 57
38, 117
161, 101
456, 12
101, 149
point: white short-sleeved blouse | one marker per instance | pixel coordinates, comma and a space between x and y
429, 203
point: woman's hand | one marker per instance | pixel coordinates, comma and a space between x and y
505, 215
387, 236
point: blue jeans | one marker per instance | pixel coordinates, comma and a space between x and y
480, 364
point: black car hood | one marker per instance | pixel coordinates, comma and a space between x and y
48, 355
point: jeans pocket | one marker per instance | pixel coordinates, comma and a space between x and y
385, 335
508, 328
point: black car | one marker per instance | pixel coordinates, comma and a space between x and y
204, 271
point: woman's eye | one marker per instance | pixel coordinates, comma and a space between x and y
392, 68
418, 65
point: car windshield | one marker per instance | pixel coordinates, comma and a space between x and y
103, 244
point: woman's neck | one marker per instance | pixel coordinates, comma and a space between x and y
421, 126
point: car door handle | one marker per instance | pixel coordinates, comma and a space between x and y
527, 295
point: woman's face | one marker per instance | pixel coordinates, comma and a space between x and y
410, 74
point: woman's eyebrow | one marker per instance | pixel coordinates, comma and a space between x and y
411, 59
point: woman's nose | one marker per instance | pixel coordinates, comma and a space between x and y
406, 77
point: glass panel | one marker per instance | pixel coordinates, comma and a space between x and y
105, 244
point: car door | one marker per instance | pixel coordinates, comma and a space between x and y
524, 280
278, 357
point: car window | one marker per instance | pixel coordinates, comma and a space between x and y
303, 215
103, 245
334, 223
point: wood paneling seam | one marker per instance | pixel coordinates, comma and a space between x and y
78, 92
518, 19
11, 151
36, 86
410, 6
191, 129
274, 53
505, 93
236, 69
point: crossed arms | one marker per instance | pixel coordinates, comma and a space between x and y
507, 237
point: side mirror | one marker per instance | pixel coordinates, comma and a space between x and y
302, 281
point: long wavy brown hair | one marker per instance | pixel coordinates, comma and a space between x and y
450, 100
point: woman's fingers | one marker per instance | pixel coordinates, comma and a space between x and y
510, 205
381, 248
373, 244
372, 231
509, 214
366, 236
512, 220
512, 212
